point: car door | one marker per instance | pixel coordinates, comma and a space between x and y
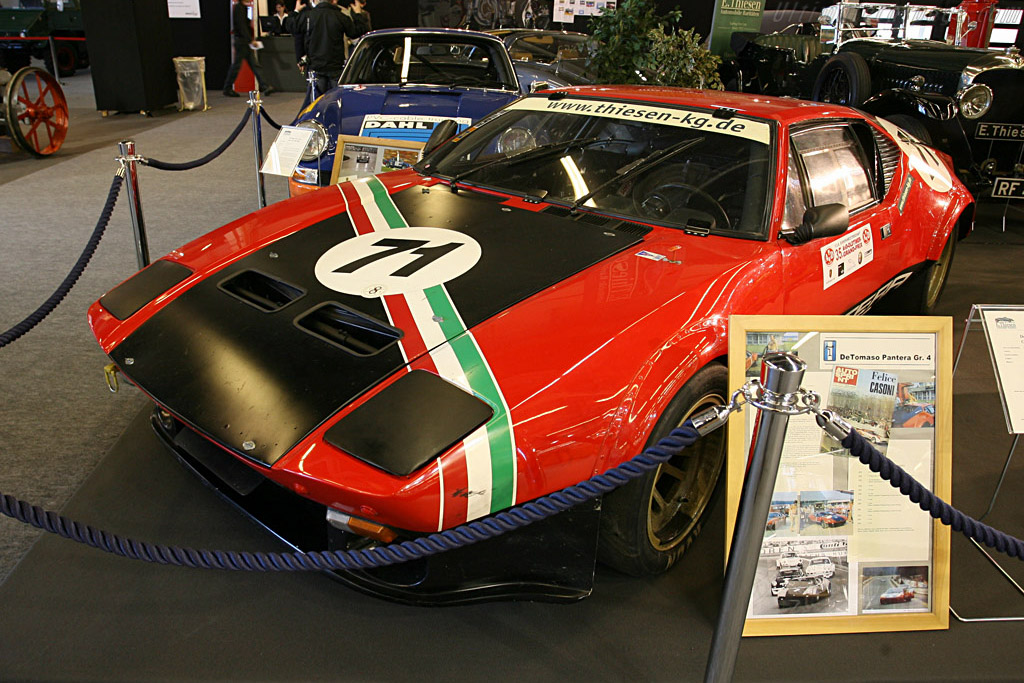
830, 162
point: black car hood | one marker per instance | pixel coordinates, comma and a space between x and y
257, 383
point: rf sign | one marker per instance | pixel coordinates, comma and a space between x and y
397, 261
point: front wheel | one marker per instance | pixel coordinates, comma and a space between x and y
649, 523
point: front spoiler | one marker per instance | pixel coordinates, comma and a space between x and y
551, 560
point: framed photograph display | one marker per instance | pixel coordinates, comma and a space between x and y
843, 551
362, 156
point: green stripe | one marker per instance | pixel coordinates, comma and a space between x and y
470, 357
499, 428
386, 206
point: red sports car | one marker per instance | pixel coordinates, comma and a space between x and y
900, 593
539, 298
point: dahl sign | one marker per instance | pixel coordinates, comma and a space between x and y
1008, 188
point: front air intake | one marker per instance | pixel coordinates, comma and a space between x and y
348, 330
260, 290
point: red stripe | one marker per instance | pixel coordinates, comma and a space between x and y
356, 212
456, 485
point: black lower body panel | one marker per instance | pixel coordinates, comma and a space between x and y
551, 560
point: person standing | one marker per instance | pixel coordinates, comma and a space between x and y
298, 21
279, 19
242, 40
325, 40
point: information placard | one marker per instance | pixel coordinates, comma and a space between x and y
1004, 328
284, 154
842, 550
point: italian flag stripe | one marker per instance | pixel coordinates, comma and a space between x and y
490, 465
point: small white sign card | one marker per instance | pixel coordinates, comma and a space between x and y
183, 9
285, 153
1004, 328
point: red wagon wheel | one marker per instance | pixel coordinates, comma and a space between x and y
35, 111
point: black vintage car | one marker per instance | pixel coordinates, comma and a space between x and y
894, 61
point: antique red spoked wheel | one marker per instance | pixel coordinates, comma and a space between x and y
35, 112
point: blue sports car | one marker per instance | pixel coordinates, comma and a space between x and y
400, 84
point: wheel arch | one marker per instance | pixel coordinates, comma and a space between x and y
654, 386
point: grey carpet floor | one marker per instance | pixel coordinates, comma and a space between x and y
57, 418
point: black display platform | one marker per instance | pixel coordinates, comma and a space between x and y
74, 613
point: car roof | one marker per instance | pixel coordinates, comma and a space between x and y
439, 32
782, 109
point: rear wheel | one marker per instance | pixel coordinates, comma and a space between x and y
920, 294
649, 523
844, 79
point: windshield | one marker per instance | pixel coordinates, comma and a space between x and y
657, 164
549, 47
429, 59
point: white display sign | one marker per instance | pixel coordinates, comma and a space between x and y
183, 9
285, 153
1004, 328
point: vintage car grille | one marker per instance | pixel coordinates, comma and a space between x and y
889, 155
898, 76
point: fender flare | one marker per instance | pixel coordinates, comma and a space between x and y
654, 385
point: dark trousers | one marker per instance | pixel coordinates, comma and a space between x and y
325, 80
244, 52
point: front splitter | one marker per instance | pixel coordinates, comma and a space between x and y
551, 560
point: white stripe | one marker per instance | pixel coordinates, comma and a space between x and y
477, 444
440, 497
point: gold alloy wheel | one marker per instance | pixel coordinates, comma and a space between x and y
683, 486
937, 277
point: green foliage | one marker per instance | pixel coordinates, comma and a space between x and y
634, 44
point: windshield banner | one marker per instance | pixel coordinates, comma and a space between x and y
757, 131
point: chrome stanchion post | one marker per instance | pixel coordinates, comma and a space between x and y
257, 142
129, 162
782, 374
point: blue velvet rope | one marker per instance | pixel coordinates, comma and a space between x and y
929, 502
466, 534
266, 115
188, 165
62, 290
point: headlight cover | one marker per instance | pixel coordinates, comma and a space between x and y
318, 143
975, 101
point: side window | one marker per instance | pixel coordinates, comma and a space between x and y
795, 204
838, 171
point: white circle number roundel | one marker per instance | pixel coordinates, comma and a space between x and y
396, 261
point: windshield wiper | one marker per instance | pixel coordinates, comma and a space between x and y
529, 155
636, 167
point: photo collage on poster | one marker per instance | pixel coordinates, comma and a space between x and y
839, 540
567, 10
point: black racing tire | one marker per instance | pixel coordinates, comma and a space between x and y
912, 125
648, 524
844, 79
920, 294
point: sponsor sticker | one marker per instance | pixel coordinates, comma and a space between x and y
846, 255
399, 262
904, 193
415, 127
757, 131
651, 255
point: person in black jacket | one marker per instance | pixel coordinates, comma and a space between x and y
242, 38
325, 40
296, 24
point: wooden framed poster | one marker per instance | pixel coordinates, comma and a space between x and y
843, 551
357, 156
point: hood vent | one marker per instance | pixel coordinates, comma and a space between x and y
349, 330
260, 290
631, 228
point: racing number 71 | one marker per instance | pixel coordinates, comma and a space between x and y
396, 246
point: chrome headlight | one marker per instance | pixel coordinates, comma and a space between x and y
975, 101
317, 143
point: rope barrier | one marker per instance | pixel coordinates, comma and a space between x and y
62, 290
508, 520
266, 115
939, 509
186, 166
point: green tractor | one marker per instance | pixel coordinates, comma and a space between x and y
25, 33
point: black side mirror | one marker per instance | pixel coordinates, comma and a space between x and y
442, 131
826, 220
